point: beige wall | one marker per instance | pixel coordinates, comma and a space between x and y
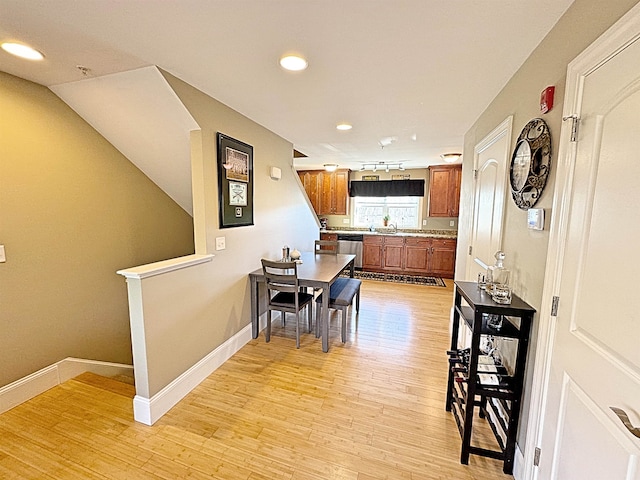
526, 250
192, 312
433, 223
73, 210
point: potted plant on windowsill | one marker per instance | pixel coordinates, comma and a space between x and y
385, 220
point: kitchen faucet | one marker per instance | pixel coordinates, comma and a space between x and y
395, 229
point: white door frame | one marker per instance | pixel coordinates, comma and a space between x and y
622, 33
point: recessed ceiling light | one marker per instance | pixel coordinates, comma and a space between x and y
295, 63
344, 126
22, 51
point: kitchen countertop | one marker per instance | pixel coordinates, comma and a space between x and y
451, 234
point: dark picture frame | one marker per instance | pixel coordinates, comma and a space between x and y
235, 182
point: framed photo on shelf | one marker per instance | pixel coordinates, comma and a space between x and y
235, 182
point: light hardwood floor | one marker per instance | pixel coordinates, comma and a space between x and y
370, 409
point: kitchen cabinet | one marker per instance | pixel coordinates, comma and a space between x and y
477, 378
332, 237
372, 252
443, 257
417, 255
328, 192
411, 255
444, 190
393, 253
311, 183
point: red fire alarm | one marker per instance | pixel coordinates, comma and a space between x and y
546, 99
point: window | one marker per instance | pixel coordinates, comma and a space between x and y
404, 212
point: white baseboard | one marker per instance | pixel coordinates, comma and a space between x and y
149, 410
38, 382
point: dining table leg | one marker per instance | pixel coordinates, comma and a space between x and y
325, 317
255, 302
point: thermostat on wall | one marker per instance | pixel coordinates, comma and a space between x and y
535, 218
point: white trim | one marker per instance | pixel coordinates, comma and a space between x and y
615, 38
158, 268
518, 464
38, 382
149, 410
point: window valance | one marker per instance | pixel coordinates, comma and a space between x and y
386, 188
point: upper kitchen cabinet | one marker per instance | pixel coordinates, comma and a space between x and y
312, 185
328, 192
444, 190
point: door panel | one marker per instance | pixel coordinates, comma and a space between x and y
595, 360
491, 158
580, 414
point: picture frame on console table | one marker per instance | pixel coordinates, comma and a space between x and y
235, 182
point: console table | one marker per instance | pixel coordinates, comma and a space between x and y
476, 381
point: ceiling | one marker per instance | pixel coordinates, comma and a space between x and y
415, 74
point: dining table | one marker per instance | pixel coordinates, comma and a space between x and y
317, 271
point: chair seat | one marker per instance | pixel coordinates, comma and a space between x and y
287, 299
341, 295
342, 291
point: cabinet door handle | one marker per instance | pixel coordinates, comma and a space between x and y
624, 418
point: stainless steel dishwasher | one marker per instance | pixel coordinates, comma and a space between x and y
351, 243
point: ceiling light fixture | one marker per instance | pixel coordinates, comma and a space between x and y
451, 157
294, 63
22, 51
344, 126
330, 167
381, 166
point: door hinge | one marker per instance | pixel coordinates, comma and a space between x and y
554, 306
470, 249
575, 121
536, 457
475, 174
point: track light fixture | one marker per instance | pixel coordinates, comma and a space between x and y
381, 166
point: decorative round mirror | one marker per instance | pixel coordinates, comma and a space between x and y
530, 163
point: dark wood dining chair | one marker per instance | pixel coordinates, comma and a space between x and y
327, 247
283, 293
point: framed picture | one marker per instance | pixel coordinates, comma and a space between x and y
235, 182
371, 178
405, 176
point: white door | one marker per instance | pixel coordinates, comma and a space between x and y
491, 157
595, 358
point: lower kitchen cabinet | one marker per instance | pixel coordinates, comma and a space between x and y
416, 255
372, 252
443, 257
412, 255
393, 253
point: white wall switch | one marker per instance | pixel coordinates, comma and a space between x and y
3, 257
220, 243
452, 223
424, 222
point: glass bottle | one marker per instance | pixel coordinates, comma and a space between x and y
497, 274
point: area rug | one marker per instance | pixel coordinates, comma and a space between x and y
392, 277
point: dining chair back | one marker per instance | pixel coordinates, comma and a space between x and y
328, 247
283, 293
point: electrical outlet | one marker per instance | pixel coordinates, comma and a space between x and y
220, 243
452, 223
424, 222
3, 257
345, 221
